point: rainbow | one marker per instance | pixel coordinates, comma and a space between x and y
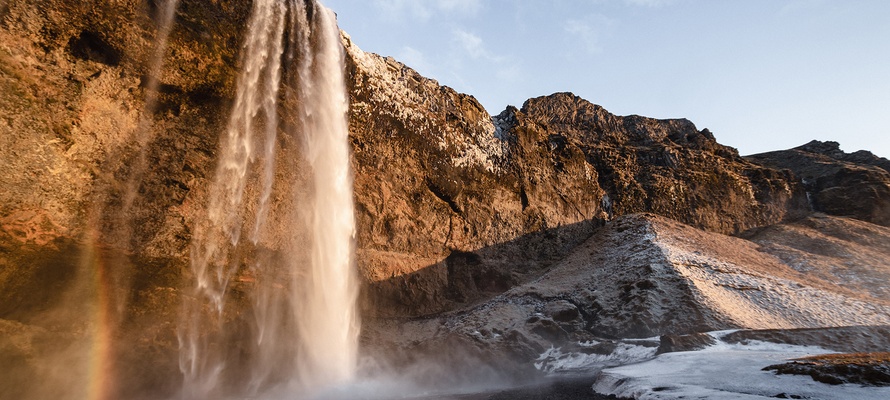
99, 300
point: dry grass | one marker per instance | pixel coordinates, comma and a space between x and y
848, 359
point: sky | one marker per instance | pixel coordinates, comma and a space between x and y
762, 75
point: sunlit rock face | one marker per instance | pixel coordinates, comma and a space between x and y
105, 173
559, 166
93, 272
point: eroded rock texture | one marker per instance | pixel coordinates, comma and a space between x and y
453, 205
105, 166
545, 176
849, 184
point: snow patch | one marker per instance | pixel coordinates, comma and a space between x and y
555, 360
725, 371
754, 300
398, 91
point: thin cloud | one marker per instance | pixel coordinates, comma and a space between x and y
423, 10
468, 7
416, 60
649, 3
590, 31
399, 9
469, 46
473, 46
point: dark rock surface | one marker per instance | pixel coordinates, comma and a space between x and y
563, 389
849, 339
690, 342
872, 369
838, 183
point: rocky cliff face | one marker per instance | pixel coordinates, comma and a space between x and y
75, 77
453, 205
853, 184
106, 153
520, 192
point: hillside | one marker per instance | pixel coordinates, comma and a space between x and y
643, 276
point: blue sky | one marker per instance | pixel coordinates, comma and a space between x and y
761, 74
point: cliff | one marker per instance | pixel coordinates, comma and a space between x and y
852, 184
435, 175
106, 153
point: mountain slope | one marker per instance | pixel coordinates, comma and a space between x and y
644, 275
849, 252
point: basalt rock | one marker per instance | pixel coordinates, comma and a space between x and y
663, 166
871, 369
838, 183
691, 342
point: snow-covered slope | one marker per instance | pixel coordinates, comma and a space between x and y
850, 252
740, 285
644, 276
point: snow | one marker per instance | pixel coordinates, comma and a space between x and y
554, 360
756, 300
395, 89
725, 371
502, 123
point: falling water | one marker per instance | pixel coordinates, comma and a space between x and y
104, 276
142, 136
326, 312
295, 262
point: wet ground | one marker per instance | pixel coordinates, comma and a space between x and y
574, 388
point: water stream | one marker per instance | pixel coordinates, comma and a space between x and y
293, 268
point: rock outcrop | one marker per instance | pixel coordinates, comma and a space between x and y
838, 183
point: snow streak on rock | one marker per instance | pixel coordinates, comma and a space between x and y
405, 96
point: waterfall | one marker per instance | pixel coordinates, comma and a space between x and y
276, 307
326, 309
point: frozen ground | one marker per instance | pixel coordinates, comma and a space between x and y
559, 361
726, 371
